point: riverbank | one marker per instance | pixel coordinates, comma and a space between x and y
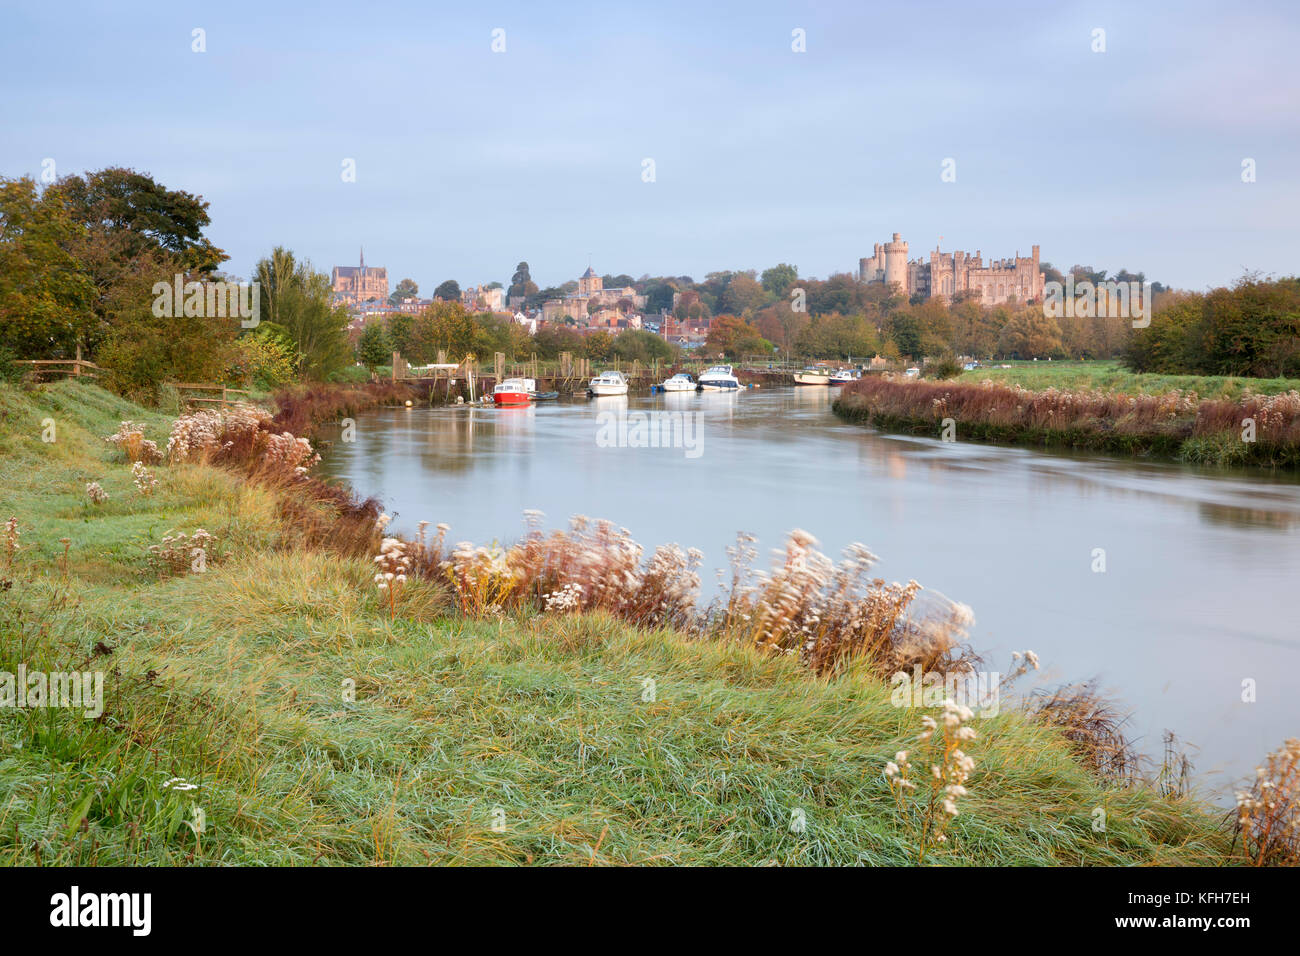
1110, 376
1254, 429
279, 692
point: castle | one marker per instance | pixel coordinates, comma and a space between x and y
358, 284
947, 273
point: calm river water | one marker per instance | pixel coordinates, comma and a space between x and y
1202, 568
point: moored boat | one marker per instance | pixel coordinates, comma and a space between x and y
844, 376
718, 378
608, 383
514, 391
681, 382
812, 375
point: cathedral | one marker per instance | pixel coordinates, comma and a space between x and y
357, 284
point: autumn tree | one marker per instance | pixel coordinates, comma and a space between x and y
1030, 334
45, 293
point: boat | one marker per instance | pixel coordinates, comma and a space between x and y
681, 382
545, 396
514, 391
718, 378
844, 376
608, 383
812, 375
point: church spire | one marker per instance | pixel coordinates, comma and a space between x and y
363, 260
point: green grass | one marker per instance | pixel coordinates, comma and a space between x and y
1112, 377
234, 679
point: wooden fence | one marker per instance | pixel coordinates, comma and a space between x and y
72, 368
225, 390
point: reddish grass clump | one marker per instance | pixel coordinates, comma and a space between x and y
1084, 417
300, 408
245, 438
1092, 725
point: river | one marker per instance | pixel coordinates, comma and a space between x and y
1196, 597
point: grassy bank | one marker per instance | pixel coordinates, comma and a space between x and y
1111, 376
1254, 429
278, 693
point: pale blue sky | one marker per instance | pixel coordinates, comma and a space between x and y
469, 160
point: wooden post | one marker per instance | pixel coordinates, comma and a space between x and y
77, 367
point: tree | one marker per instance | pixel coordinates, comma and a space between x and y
521, 283
597, 346
551, 341
142, 349
141, 214
1030, 334
638, 345
778, 279
840, 293
298, 298
732, 336
45, 294
399, 329
406, 289
448, 291
443, 326
372, 347
905, 333
742, 294
659, 295
838, 336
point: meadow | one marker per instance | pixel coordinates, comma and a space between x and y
1111, 376
274, 704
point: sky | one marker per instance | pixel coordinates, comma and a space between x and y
469, 159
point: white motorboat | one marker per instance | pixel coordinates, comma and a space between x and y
844, 376
608, 383
681, 382
812, 375
718, 378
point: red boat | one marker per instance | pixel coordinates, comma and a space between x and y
514, 391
